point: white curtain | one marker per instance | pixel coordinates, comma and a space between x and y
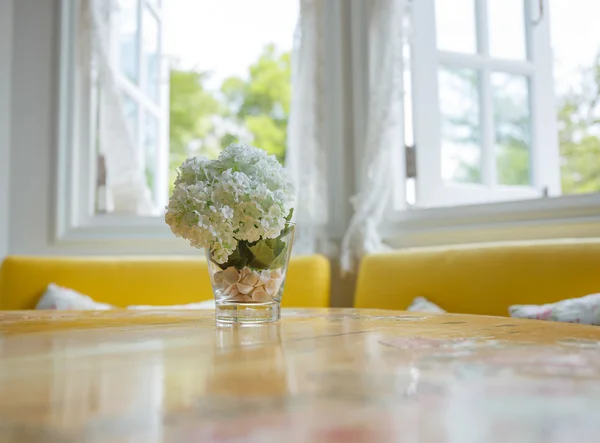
384, 130
126, 187
305, 155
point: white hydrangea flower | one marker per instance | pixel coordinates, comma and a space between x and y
243, 195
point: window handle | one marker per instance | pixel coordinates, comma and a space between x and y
540, 17
411, 161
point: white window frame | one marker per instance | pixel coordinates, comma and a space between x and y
77, 225
145, 105
78, 228
432, 190
509, 217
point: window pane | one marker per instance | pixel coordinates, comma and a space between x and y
460, 120
409, 139
576, 49
513, 128
151, 146
151, 55
506, 20
131, 108
238, 90
455, 25
128, 39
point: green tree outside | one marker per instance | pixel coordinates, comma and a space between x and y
255, 109
191, 111
512, 128
262, 101
252, 110
579, 135
579, 139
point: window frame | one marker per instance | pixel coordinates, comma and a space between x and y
549, 216
428, 60
76, 225
145, 105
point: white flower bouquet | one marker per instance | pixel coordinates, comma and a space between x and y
239, 209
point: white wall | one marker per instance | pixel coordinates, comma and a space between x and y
34, 117
6, 34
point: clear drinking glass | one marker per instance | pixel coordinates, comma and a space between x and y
248, 288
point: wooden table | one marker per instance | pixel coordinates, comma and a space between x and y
338, 375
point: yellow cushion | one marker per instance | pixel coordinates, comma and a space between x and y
481, 279
149, 281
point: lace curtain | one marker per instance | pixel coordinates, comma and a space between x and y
306, 156
384, 130
127, 190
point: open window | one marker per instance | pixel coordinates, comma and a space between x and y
483, 102
145, 84
136, 39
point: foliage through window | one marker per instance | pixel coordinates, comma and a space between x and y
251, 108
500, 67
504, 106
196, 77
576, 45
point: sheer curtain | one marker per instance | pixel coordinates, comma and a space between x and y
306, 156
384, 130
127, 190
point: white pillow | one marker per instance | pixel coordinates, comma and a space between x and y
421, 304
584, 310
57, 297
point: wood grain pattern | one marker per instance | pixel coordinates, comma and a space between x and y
330, 375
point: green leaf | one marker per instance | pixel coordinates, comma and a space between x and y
238, 258
280, 259
263, 253
289, 217
245, 255
270, 242
267, 253
279, 246
232, 260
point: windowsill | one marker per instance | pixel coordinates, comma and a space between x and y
124, 235
554, 217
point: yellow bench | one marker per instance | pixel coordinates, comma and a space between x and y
123, 281
481, 279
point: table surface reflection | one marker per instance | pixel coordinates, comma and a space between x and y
329, 375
